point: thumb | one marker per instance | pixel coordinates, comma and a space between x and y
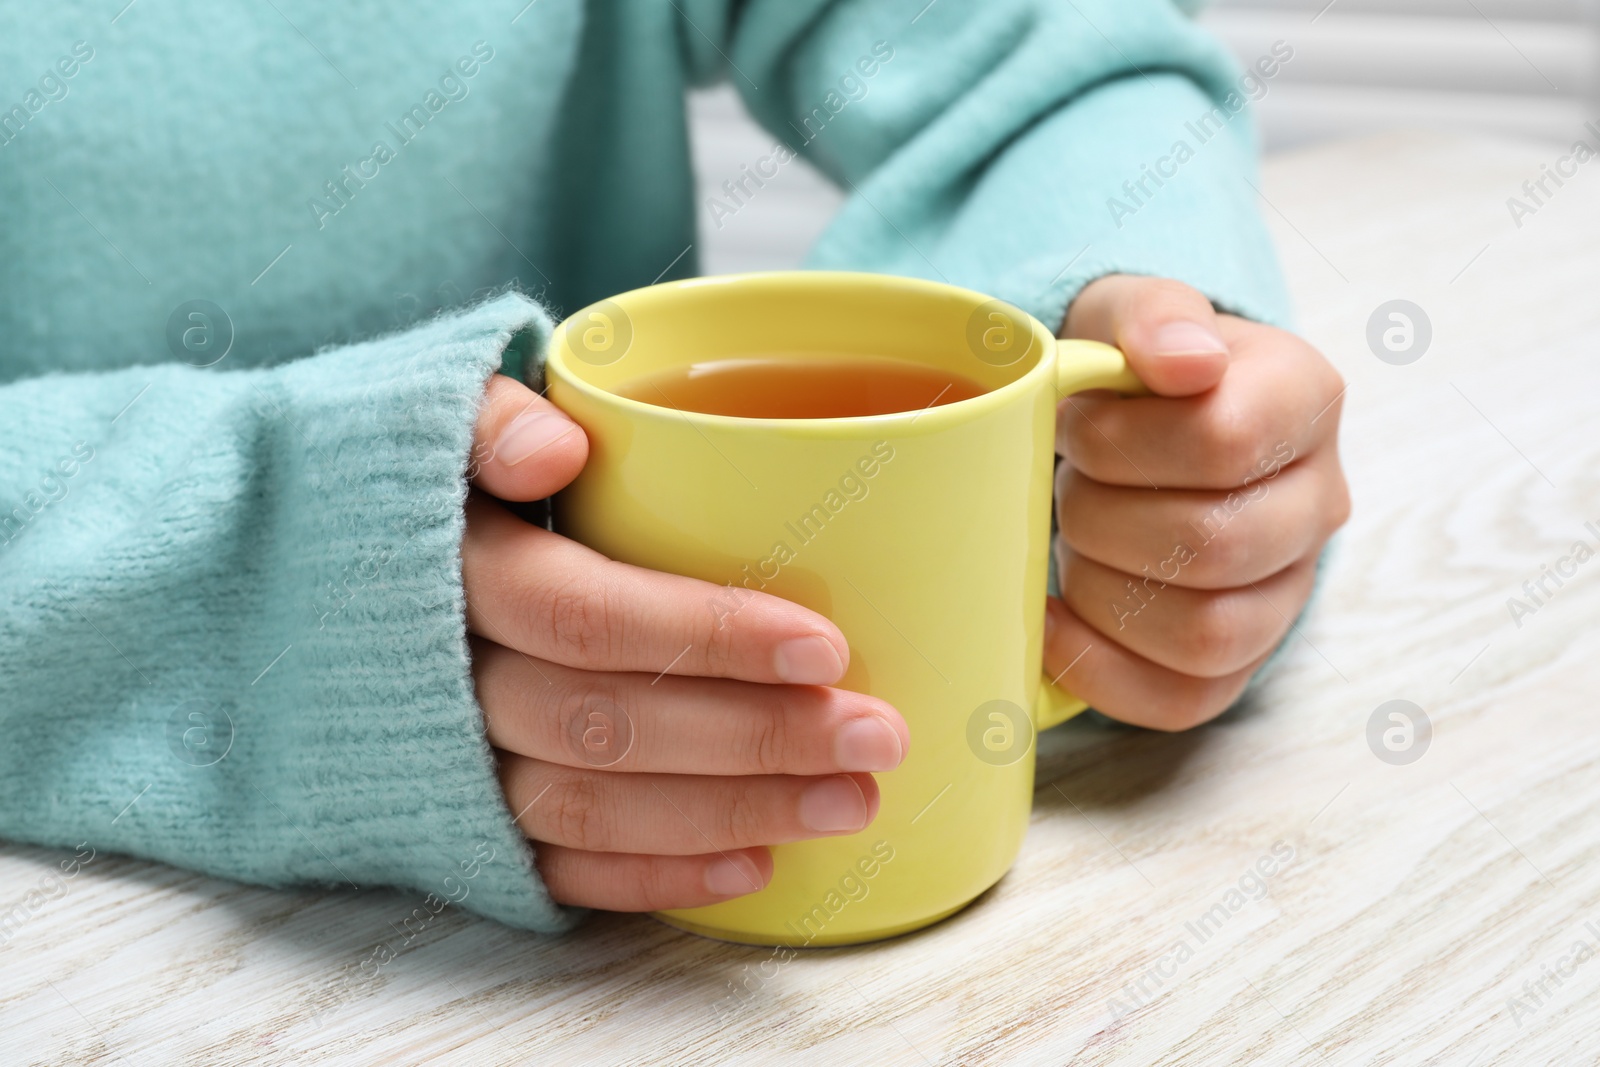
524, 447
1168, 331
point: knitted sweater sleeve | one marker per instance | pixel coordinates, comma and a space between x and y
1018, 147
231, 619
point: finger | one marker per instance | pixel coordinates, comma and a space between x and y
524, 447
1204, 633
620, 881
680, 814
1124, 685
1279, 400
1168, 331
550, 597
1204, 540
635, 722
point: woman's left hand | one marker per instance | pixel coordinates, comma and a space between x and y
1191, 520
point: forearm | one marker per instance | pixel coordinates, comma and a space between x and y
234, 640
1021, 148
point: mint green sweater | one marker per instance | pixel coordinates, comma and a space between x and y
257, 261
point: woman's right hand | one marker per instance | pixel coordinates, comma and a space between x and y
654, 732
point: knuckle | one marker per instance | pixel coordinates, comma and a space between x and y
1231, 557
578, 619
1221, 550
1074, 493
1235, 445
717, 644
573, 813
1342, 510
583, 714
654, 885
1077, 451
740, 819
1332, 382
1340, 504
768, 741
1091, 440
1209, 641
568, 703
1063, 482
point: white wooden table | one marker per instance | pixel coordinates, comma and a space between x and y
1419, 900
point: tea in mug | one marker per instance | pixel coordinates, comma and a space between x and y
801, 386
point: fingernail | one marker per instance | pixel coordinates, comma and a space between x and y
867, 745
833, 804
529, 432
733, 876
1187, 339
808, 661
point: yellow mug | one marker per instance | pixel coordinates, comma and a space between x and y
924, 535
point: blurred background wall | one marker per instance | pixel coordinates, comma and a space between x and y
1521, 68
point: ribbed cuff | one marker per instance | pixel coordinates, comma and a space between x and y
395, 775
358, 752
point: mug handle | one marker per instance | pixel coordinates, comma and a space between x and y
1081, 365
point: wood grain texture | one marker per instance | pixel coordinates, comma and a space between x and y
1419, 899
